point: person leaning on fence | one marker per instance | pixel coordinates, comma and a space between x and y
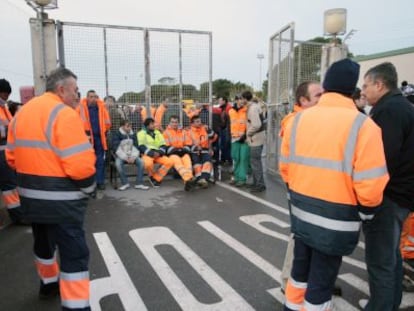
394, 114
332, 184
153, 149
96, 122
125, 145
201, 138
55, 165
178, 141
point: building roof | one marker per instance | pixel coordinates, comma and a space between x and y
408, 50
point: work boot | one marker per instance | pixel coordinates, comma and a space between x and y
202, 183
189, 185
48, 291
407, 284
154, 183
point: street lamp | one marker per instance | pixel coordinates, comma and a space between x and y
43, 42
335, 22
260, 57
334, 25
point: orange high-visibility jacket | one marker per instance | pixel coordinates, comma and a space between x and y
144, 112
201, 137
178, 138
332, 159
289, 118
238, 122
5, 117
54, 160
104, 120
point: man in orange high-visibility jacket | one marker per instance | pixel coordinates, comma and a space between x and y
307, 95
55, 165
178, 141
8, 182
240, 150
201, 137
97, 123
332, 160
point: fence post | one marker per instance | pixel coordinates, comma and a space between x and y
147, 72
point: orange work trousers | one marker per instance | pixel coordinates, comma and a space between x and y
183, 166
407, 238
165, 165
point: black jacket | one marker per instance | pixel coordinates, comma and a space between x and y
394, 114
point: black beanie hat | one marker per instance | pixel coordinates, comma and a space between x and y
342, 77
5, 86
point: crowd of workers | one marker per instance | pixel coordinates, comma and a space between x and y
341, 167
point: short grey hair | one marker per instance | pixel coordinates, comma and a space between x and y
386, 73
58, 77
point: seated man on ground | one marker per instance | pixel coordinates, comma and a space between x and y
125, 144
201, 137
153, 149
177, 141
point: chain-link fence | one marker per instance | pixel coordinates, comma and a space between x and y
290, 63
142, 68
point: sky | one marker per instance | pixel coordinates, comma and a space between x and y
241, 28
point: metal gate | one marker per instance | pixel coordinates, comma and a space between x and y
139, 65
291, 62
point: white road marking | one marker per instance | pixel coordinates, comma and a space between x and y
118, 282
252, 197
148, 238
243, 250
256, 221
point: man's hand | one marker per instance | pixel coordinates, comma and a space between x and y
130, 160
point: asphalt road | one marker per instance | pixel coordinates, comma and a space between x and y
165, 249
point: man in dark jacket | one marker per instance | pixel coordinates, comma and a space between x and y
395, 116
125, 146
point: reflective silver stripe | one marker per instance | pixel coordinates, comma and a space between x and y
75, 304
89, 189
366, 216
32, 144
75, 276
320, 163
351, 142
73, 150
3, 147
297, 284
408, 248
10, 146
326, 306
51, 120
293, 306
331, 224
51, 195
346, 165
410, 238
288, 195
82, 113
371, 173
47, 262
283, 159
13, 205
52, 279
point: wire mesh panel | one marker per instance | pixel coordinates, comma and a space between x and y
142, 68
280, 95
290, 63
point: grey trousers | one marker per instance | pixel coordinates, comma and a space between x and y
256, 164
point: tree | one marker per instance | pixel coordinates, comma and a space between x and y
222, 87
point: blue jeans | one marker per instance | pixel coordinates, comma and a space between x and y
120, 166
100, 160
383, 257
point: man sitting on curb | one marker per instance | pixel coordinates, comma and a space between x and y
125, 144
153, 149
